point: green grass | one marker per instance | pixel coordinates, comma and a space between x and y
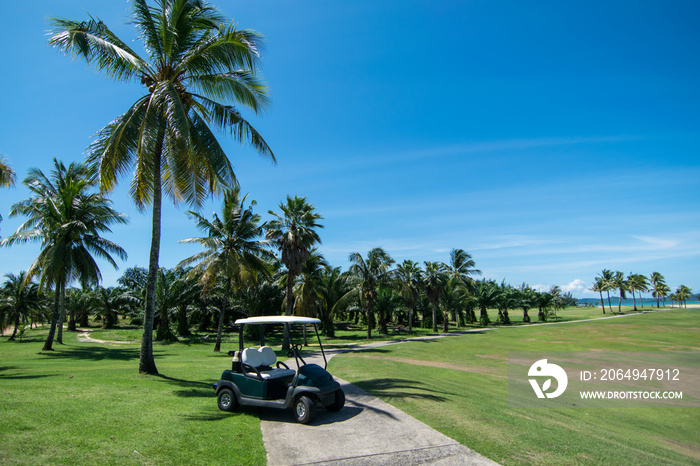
465, 394
85, 403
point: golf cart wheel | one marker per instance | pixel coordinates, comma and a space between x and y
305, 409
227, 400
339, 402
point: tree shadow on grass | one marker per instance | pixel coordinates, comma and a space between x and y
92, 353
222, 415
14, 376
190, 388
400, 388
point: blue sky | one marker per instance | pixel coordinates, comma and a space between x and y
549, 139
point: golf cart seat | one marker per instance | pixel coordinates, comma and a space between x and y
261, 362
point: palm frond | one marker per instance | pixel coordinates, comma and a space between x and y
93, 41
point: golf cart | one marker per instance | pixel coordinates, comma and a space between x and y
257, 378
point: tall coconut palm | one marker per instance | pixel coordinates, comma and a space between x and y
198, 69
682, 294
235, 251
68, 220
294, 233
605, 280
369, 273
334, 285
7, 174
637, 282
657, 284
19, 297
663, 291
307, 291
558, 302
434, 281
619, 283
599, 286
461, 267
409, 277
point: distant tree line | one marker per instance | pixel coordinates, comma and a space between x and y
636, 284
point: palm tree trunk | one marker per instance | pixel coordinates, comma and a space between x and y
62, 314
609, 304
619, 303
410, 320
288, 307
434, 303
16, 323
48, 344
602, 301
147, 364
368, 314
222, 316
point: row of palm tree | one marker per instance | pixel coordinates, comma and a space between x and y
636, 284
402, 295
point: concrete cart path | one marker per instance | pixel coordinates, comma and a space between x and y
367, 431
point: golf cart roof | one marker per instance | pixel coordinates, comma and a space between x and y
278, 320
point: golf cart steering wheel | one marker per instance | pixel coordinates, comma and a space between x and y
295, 351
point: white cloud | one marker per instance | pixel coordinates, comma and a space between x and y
576, 286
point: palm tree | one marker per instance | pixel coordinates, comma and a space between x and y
599, 286
68, 220
108, 302
334, 285
234, 250
682, 294
7, 175
507, 298
369, 273
434, 280
461, 267
308, 298
485, 294
605, 280
409, 277
19, 297
294, 233
619, 283
637, 282
657, 283
455, 297
198, 68
527, 300
663, 291
557, 301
